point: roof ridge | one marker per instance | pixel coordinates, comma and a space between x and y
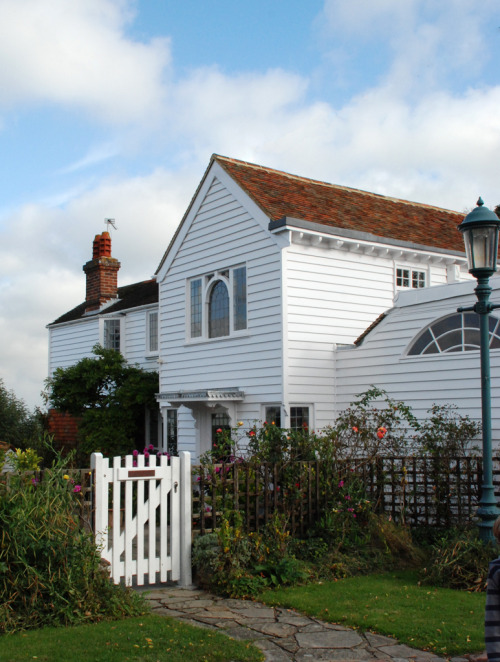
219, 158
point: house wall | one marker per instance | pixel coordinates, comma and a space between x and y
223, 234
420, 381
332, 296
70, 342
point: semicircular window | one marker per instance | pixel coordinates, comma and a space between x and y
455, 333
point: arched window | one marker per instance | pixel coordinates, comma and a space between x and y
218, 311
455, 333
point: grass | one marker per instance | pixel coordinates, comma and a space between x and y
146, 639
445, 621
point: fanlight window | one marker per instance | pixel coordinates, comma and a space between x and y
455, 333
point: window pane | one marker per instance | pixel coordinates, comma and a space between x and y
299, 418
421, 343
472, 338
449, 340
402, 278
153, 332
196, 308
418, 279
112, 334
240, 298
273, 415
218, 322
447, 324
172, 431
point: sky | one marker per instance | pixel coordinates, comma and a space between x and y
113, 108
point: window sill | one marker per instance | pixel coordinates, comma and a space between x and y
203, 341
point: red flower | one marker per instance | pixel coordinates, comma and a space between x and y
252, 433
355, 429
219, 430
381, 432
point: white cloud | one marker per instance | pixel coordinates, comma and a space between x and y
77, 54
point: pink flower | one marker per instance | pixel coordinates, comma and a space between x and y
135, 453
146, 454
341, 483
219, 430
350, 510
77, 488
151, 447
348, 497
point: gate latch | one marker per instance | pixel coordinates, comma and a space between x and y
176, 485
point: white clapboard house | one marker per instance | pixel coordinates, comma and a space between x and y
267, 276
121, 318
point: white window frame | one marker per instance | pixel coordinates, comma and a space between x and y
269, 419
208, 281
309, 406
152, 350
121, 331
411, 271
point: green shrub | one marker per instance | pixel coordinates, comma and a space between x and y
238, 564
460, 560
50, 571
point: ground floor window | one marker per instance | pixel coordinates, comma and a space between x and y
220, 421
299, 418
273, 415
172, 431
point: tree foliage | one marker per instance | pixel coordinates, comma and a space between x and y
18, 426
109, 396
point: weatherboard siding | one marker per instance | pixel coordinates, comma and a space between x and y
419, 381
71, 342
223, 234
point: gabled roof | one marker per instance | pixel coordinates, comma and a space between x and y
129, 296
280, 194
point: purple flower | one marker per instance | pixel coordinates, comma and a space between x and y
35, 481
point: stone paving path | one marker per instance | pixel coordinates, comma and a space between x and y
282, 634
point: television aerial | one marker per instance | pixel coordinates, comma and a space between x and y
110, 222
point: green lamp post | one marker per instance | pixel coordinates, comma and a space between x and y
480, 232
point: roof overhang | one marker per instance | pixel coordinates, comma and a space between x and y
336, 237
229, 394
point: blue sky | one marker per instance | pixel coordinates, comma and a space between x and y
112, 108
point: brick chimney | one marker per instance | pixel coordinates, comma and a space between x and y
102, 274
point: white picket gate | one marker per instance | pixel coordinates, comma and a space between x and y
143, 517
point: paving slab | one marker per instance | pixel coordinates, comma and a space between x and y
283, 635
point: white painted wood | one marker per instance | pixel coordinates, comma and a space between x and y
129, 555
185, 497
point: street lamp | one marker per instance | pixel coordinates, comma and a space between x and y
480, 231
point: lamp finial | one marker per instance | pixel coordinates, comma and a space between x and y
480, 202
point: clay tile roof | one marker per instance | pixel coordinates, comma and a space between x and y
129, 296
281, 194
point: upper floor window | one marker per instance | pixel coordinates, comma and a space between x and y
455, 333
152, 331
412, 278
112, 334
218, 303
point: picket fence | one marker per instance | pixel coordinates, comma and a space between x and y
142, 517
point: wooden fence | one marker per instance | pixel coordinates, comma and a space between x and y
417, 491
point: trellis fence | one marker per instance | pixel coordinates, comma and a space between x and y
417, 491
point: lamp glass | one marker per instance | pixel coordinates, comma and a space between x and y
481, 247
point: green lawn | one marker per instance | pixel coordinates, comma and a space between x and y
445, 621
145, 639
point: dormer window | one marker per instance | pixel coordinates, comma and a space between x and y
217, 304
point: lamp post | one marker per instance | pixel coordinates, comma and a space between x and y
480, 232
